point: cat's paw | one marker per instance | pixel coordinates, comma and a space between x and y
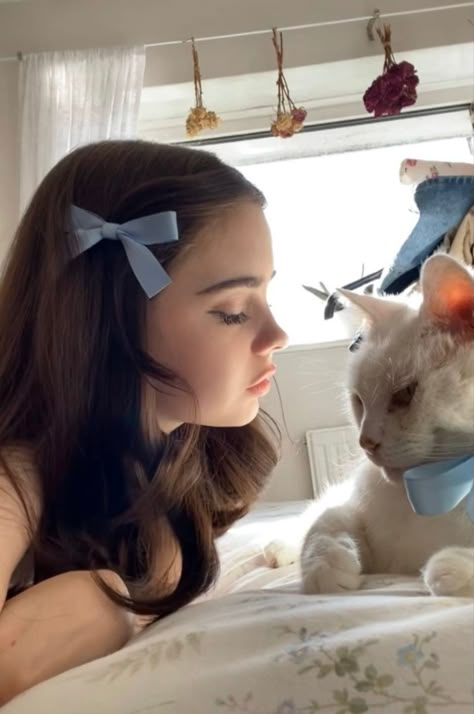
279, 553
330, 564
450, 572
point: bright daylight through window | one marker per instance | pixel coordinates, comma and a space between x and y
333, 218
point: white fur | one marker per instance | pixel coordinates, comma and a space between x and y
377, 531
381, 534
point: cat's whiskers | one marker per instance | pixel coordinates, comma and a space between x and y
391, 375
440, 452
414, 452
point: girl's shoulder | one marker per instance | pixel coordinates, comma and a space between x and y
20, 489
20, 509
17, 464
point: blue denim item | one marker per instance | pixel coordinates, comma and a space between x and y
443, 202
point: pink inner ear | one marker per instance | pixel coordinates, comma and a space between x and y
460, 302
454, 300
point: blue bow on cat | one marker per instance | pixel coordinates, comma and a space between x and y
440, 486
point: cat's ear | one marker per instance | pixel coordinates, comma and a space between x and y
375, 309
448, 292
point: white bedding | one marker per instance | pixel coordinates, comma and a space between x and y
255, 645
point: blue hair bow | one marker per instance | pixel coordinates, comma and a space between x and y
135, 235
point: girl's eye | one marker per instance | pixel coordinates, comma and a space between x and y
231, 318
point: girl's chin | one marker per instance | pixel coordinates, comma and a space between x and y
234, 420
245, 419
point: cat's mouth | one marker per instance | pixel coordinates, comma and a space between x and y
392, 474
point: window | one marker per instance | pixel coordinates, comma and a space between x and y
334, 218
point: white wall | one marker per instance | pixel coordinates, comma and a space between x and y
310, 384
67, 24
9, 155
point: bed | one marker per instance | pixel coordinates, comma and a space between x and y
256, 645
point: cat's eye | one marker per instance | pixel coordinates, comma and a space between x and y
355, 344
357, 402
403, 397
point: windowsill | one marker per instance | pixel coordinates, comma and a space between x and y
310, 346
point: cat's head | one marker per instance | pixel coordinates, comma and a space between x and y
411, 380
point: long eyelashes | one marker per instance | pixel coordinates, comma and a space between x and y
230, 318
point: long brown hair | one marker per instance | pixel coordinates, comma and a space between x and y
72, 364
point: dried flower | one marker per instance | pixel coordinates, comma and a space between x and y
199, 117
395, 88
289, 118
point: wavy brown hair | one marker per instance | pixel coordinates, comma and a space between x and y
72, 367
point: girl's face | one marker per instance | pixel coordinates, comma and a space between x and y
212, 325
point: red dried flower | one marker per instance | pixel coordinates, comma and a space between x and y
392, 91
395, 88
299, 115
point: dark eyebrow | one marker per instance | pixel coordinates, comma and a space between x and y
246, 281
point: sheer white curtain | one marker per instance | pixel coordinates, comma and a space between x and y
72, 98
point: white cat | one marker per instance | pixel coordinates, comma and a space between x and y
411, 386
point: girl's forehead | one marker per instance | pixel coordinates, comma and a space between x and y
239, 243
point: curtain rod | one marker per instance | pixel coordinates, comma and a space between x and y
290, 28
327, 23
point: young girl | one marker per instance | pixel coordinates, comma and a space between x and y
135, 342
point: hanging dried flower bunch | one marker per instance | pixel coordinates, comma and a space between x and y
395, 88
199, 118
289, 118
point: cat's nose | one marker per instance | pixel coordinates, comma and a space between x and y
368, 444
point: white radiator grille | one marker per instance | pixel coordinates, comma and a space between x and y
332, 454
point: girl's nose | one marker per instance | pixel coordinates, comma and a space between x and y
272, 337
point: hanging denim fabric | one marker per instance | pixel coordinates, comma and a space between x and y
442, 202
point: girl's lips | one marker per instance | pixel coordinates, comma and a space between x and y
260, 388
265, 376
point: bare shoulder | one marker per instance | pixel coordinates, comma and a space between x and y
20, 509
19, 482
